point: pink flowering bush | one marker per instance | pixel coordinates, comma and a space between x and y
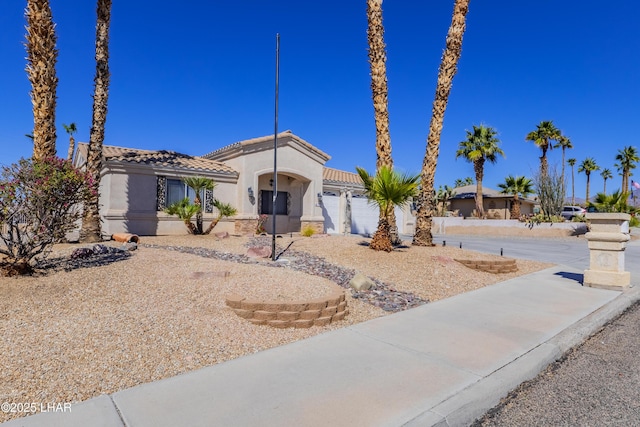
39, 203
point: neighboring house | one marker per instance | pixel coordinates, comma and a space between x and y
136, 185
496, 205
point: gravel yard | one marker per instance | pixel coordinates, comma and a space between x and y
70, 334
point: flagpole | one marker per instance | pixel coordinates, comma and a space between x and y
275, 153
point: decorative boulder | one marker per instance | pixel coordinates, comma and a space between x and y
360, 282
222, 235
259, 252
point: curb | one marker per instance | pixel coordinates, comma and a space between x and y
470, 404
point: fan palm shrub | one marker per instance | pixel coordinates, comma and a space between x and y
386, 190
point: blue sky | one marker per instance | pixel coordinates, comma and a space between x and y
196, 77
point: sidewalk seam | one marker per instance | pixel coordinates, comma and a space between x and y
115, 405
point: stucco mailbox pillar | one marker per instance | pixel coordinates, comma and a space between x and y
607, 241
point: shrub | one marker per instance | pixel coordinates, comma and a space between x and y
308, 231
39, 205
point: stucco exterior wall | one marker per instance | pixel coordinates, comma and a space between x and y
128, 201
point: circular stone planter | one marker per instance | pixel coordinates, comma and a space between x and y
297, 314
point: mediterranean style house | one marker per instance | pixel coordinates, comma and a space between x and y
136, 185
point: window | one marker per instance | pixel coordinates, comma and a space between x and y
266, 202
171, 191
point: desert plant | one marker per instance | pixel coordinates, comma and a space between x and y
614, 202
39, 202
387, 189
518, 186
308, 231
224, 210
184, 210
550, 190
198, 184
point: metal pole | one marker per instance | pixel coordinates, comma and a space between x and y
275, 154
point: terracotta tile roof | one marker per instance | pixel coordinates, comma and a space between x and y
160, 158
343, 177
248, 142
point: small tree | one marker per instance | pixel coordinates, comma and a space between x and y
387, 189
185, 211
39, 202
518, 186
198, 184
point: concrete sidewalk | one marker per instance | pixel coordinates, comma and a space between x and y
445, 363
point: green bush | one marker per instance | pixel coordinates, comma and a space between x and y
308, 231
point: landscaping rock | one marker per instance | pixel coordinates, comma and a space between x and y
360, 282
81, 253
222, 235
259, 252
100, 249
131, 246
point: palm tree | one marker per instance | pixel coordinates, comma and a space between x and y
462, 182
587, 166
198, 184
91, 228
480, 146
563, 142
387, 189
615, 202
448, 69
224, 210
518, 186
42, 56
70, 129
606, 174
627, 159
571, 162
185, 211
543, 135
379, 92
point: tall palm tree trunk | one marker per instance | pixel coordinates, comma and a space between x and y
379, 91
544, 166
515, 207
72, 146
448, 69
42, 56
91, 227
625, 180
573, 188
478, 167
588, 180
